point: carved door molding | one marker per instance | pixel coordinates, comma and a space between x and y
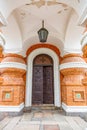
56, 75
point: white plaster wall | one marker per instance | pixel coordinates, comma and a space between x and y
10, 5
12, 36
4, 7
80, 6
7, 6
73, 35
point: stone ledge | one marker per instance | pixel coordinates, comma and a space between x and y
74, 109
73, 65
11, 108
12, 65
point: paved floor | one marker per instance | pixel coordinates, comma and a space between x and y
43, 120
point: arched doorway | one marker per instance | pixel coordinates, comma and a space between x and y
43, 89
29, 76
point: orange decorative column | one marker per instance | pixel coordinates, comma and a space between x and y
74, 100
12, 69
1, 53
84, 49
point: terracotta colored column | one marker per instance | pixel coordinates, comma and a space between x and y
84, 49
12, 85
1, 53
73, 67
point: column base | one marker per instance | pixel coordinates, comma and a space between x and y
11, 111
27, 109
75, 110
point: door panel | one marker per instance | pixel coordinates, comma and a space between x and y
37, 90
42, 90
48, 93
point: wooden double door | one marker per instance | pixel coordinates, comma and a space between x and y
42, 90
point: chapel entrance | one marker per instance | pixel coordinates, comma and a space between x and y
43, 89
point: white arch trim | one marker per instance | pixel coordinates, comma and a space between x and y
28, 98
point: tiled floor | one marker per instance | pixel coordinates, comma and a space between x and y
50, 127
43, 120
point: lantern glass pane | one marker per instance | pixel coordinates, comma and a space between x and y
43, 33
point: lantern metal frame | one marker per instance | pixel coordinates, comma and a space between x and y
43, 33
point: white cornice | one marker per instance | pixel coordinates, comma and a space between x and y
12, 65
73, 65
12, 50
71, 50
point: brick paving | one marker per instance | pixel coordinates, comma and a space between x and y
43, 120
51, 127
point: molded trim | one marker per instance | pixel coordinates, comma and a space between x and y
74, 108
12, 65
73, 65
11, 108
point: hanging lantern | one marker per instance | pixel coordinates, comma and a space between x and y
43, 33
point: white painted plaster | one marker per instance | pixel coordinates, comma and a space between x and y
12, 65
73, 65
75, 109
11, 108
12, 35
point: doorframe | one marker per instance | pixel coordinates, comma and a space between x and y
29, 76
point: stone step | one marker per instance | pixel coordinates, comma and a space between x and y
41, 107
44, 107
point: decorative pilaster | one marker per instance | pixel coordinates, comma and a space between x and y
73, 67
1, 53
12, 85
84, 49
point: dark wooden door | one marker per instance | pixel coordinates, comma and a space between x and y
48, 93
37, 91
42, 90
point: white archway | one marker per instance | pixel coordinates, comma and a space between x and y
28, 98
